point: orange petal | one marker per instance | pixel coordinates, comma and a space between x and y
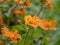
1, 20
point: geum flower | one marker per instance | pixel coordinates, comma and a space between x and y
19, 12
17, 36
20, 2
0, 42
31, 21
27, 3
1, 20
13, 36
49, 0
2, 1
23, 3
46, 25
50, 6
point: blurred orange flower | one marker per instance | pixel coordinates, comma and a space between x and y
48, 25
27, 3
49, 0
50, 6
6, 33
14, 36
20, 2
17, 37
1, 20
19, 12
2, 1
32, 21
44, 24
0, 42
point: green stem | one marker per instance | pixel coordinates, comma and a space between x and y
10, 12
40, 10
11, 9
26, 37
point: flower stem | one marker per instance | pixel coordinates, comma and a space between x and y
10, 12
26, 37
11, 9
40, 9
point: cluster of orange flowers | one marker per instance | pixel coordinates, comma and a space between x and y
23, 3
44, 24
13, 36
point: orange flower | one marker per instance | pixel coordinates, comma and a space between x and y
27, 3
49, 0
13, 36
48, 25
6, 33
44, 24
32, 21
20, 2
50, 6
1, 20
19, 12
16, 37
2, 1
0, 42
